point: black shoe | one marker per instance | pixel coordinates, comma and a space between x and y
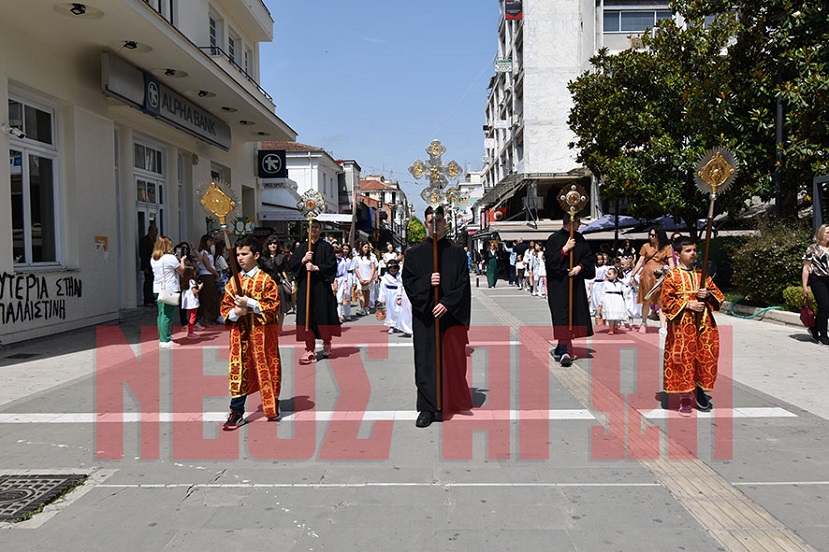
704, 403
278, 414
813, 334
556, 356
566, 360
235, 420
823, 340
425, 418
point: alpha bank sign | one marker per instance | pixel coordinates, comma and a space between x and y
143, 91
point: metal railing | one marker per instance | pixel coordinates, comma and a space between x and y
215, 51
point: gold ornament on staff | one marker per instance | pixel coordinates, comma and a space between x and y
219, 203
438, 176
572, 199
311, 205
715, 172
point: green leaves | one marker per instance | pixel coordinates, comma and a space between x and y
642, 117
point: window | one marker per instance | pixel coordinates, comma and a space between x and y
148, 159
233, 46
633, 21
33, 184
216, 33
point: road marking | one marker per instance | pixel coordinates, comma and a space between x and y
381, 484
370, 415
736, 521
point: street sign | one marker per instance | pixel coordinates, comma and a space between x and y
503, 65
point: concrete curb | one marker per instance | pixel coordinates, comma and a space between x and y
783, 317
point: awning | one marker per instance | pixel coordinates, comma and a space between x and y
277, 213
334, 217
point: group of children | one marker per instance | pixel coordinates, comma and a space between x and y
374, 285
613, 293
531, 270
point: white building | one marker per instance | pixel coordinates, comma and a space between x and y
114, 113
527, 156
393, 206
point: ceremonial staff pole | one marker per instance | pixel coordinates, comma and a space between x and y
572, 199
219, 204
310, 205
437, 174
716, 171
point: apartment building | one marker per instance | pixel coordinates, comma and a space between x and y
542, 46
114, 113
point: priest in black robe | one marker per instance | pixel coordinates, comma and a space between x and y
557, 261
324, 322
453, 309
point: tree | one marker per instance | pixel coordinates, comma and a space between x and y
643, 117
779, 50
415, 231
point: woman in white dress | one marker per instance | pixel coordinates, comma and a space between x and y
366, 274
540, 271
345, 282
598, 282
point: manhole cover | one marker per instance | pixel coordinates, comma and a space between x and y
22, 356
25, 494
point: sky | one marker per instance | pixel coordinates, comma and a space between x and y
376, 81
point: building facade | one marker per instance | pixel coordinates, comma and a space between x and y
115, 114
393, 208
549, 44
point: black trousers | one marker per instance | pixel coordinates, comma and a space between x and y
148, 288
820, 289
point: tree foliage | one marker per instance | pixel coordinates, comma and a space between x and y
643, 117
415, 230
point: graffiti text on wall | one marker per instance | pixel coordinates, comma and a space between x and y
29, 297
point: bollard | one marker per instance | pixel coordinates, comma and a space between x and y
477, 282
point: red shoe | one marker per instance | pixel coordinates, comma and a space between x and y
308, 357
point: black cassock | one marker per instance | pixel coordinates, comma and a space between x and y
456, 296
558, 286
324, 321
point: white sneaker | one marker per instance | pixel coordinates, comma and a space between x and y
391, 330
165, 345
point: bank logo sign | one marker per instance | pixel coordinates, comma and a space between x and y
271, 164
180, 112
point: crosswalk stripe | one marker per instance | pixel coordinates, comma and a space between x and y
370, 415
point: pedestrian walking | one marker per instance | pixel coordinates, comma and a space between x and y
451, 312
559, 247
320, 320
692, 345
252, 314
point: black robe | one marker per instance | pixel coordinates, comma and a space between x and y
324, 321
456, 296
558, 287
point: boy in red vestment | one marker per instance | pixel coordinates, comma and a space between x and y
252, 318
692, 348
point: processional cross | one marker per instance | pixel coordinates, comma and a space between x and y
438, 174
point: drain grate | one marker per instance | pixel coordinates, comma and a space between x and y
25, 494
22, 356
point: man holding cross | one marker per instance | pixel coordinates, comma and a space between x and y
560, 246
452, 313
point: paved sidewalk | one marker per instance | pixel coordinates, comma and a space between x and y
557, 458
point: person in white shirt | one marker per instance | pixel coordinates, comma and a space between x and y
166, 270
390, 286
366, 274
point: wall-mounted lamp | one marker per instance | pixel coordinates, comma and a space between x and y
203, 93
77, 9
130, 44
14, 131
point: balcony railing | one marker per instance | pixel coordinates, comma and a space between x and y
218, 52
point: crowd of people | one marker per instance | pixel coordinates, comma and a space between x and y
365, 282
327, 284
